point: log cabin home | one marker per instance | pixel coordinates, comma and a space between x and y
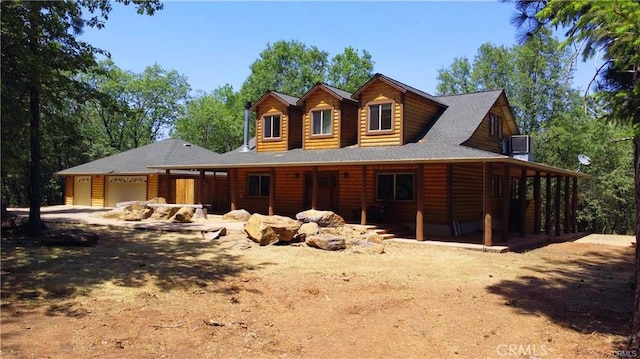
447, 167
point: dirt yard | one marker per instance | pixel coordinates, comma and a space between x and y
149, 294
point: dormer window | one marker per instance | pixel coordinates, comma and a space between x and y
321, 122
380, 117
271, 127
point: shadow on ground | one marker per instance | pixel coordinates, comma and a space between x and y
33, 274
588, 292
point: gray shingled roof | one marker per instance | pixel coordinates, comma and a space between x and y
442, 142
137, 160
291, 100
463, 116
339, 93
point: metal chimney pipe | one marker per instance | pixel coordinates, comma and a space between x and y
247, 115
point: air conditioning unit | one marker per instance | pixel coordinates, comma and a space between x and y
522, 147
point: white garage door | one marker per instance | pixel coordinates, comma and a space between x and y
82, 190
125, 188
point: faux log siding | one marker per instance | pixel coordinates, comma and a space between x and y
349, 190
97, 191
68, 190
294, 134
152, 186
272, 106
321, 100
435, 194
349, 124
290, 190
482, 140
380, 92
418, 112
467, 192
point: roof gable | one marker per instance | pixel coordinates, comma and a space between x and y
399, 86
333, 91
285, 99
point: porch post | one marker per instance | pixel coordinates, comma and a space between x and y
567, 204
201, 194
506, 202
314, 188
486, 203
234, 188
167, 173
537, 217
363, 197
450, 198
272, 190
547, 214
574, 206
420, 204
522, 195
557, 202
213, 192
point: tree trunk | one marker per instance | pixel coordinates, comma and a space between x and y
35, 226
634, 343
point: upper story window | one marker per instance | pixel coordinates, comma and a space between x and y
321, 122
258, 185
495, 126
380, 117
394, 187
271, 127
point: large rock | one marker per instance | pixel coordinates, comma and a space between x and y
163, 213
309, 229
322, 218
362, 247
326, 242
271, 229
133, 216
157, 200
116, 213
237, 215
184, 215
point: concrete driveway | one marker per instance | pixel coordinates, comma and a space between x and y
609, 239
92, 215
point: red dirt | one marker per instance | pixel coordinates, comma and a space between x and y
148, 294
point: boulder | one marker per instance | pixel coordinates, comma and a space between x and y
184, 215
326, 242
163, 213
309, 229
157, 200
362, 247
213, 233
271, 229
322, 218
115, 213
201, 213
132, 216
146, 213
374, 238
237, 215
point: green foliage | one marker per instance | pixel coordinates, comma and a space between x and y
291, 67
213, 121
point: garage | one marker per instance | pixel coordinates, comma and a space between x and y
125, 188
82, 190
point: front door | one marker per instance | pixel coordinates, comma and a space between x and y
327, 191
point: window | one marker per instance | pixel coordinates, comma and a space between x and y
380, 117
394, 187
495, 126
271, 126
321, 122
496, 186
258, 185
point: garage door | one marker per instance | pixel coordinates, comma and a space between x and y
125, 188
82, 190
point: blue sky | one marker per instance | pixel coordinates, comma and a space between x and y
214, 43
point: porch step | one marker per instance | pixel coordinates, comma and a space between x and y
394, 230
